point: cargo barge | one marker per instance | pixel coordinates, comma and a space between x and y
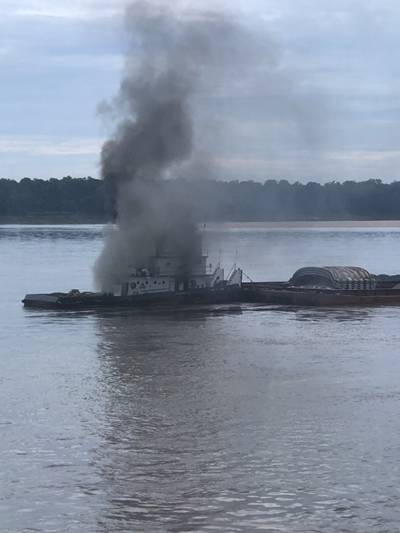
327, 287
270, 293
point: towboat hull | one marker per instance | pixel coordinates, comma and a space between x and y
90, 300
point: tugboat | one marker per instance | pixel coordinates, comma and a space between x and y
165, 280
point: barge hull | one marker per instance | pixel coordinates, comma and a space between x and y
281, 294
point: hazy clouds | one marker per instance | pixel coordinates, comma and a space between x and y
327, 106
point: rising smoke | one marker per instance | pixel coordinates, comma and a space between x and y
180, 57
176, 60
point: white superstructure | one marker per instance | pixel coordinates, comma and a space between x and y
165, 274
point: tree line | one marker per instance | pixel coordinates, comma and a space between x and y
81, 199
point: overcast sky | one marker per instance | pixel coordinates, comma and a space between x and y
325, 106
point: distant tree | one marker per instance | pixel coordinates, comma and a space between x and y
212, 200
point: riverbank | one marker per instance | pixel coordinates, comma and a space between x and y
52, 219
37, 220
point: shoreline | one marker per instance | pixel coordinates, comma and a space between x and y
53, 220
214, 225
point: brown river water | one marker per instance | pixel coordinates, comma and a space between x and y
213, 419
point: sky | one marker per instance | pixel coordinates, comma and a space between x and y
322, 105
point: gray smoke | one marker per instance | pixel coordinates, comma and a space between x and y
188, 75
181, 56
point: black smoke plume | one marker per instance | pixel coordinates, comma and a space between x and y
173, 57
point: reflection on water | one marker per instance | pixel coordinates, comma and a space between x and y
346, 314
227, 418
209, 427
314, 314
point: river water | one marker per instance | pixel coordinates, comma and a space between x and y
199, 420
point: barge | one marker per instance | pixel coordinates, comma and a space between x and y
270, 293
327, 287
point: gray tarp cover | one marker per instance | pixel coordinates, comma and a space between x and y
333, 275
